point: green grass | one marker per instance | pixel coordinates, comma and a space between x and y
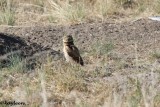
156, 55
7, 17
16, 65
101, 49
136, 97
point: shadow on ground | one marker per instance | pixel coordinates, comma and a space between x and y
11, 46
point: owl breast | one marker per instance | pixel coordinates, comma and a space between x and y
67, 57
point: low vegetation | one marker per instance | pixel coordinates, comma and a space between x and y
21, 12
64, 84
106, 80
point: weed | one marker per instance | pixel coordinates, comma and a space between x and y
3, 4
157, 6
71, 79
16, 64
52, 19
156, 55
39, 2
157, 100
7, 14
102, 48
135, 98
8, 17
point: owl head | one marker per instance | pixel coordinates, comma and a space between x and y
68, 39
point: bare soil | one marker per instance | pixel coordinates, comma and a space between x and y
140, 36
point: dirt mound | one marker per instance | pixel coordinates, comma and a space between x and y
11, 45
143, 32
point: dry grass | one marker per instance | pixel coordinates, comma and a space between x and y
59, 84
20, 12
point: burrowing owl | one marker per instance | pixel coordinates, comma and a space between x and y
71, 52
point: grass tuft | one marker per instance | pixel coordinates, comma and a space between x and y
156, 55
7, 14
65, 12
7, 17
102, 48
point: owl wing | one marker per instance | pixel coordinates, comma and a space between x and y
74, 53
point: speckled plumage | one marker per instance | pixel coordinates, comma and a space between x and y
71, 52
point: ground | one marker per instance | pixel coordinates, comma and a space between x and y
143, 32
125, 51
